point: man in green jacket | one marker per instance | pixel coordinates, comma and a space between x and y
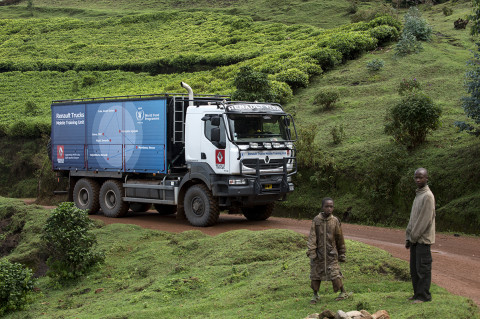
420, 235
326, 247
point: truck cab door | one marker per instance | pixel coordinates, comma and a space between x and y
214, 146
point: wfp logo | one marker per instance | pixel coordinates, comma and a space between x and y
140, 114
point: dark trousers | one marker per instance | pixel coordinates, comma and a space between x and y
421, 271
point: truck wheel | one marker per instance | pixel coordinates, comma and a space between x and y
165, 209
111, 200
201, 208
85, 195
261, 212
140, 207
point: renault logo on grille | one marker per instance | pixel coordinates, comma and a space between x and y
267, 159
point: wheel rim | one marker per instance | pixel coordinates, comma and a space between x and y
110, 199
83, 197
198, 206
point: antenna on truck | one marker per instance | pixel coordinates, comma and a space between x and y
190, 92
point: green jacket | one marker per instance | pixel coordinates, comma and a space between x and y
326, 247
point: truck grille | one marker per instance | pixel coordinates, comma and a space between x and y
272, 164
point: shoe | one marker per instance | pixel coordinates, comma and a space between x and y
314, 299
411, 298
417, 301
343, 296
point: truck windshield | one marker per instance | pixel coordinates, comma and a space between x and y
262, 128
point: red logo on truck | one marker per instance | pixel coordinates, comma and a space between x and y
60, 153
219, 156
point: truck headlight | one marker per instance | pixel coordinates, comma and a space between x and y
254, 145
237, 181
267, 145
289, 145
277, 145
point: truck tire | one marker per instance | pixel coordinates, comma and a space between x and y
85, 195
111, 200
140, 207
201, 208
261, 212
165, 209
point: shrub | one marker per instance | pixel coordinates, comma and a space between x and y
384, 33
375, 64
31, 109
251, 85
293, 77
326, 57
16, 284
69, 243
409, 86
415, 25
305, 146
326, 98
352, 8
412, 118
280, 92
447, 11
88, 80
338, 135
408, 44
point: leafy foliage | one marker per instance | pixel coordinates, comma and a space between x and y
16, 284
251, 85
139, 54
409, 86
69, 243
375, 64
471, 104
327, 98
338, 134
414, 24
408, 44
412, 118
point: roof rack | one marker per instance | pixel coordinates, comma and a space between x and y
138, 96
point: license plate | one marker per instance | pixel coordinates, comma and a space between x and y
268, 186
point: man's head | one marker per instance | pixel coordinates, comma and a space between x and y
327, 206
421, 177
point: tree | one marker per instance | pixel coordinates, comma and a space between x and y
471, 104
252, 85
410, 120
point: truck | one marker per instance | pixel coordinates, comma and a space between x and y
191, 155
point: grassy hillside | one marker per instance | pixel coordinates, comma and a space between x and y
238, 274
369, 173
71, 49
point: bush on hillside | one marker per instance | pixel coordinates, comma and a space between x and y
409, 86
327, 98
16, 285
408, 44
69, 244
375, 65
338, 134
470, 104
327, 58
410, 120
415, 25
293, 77
251, 85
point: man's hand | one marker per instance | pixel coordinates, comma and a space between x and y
311, 254
408, 244
342, 258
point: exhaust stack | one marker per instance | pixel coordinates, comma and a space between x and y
190, 92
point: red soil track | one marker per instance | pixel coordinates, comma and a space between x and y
456, 260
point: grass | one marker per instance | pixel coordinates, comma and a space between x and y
238, 274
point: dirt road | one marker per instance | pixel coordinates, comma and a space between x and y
456, 260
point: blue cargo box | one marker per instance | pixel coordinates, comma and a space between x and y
127, 136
